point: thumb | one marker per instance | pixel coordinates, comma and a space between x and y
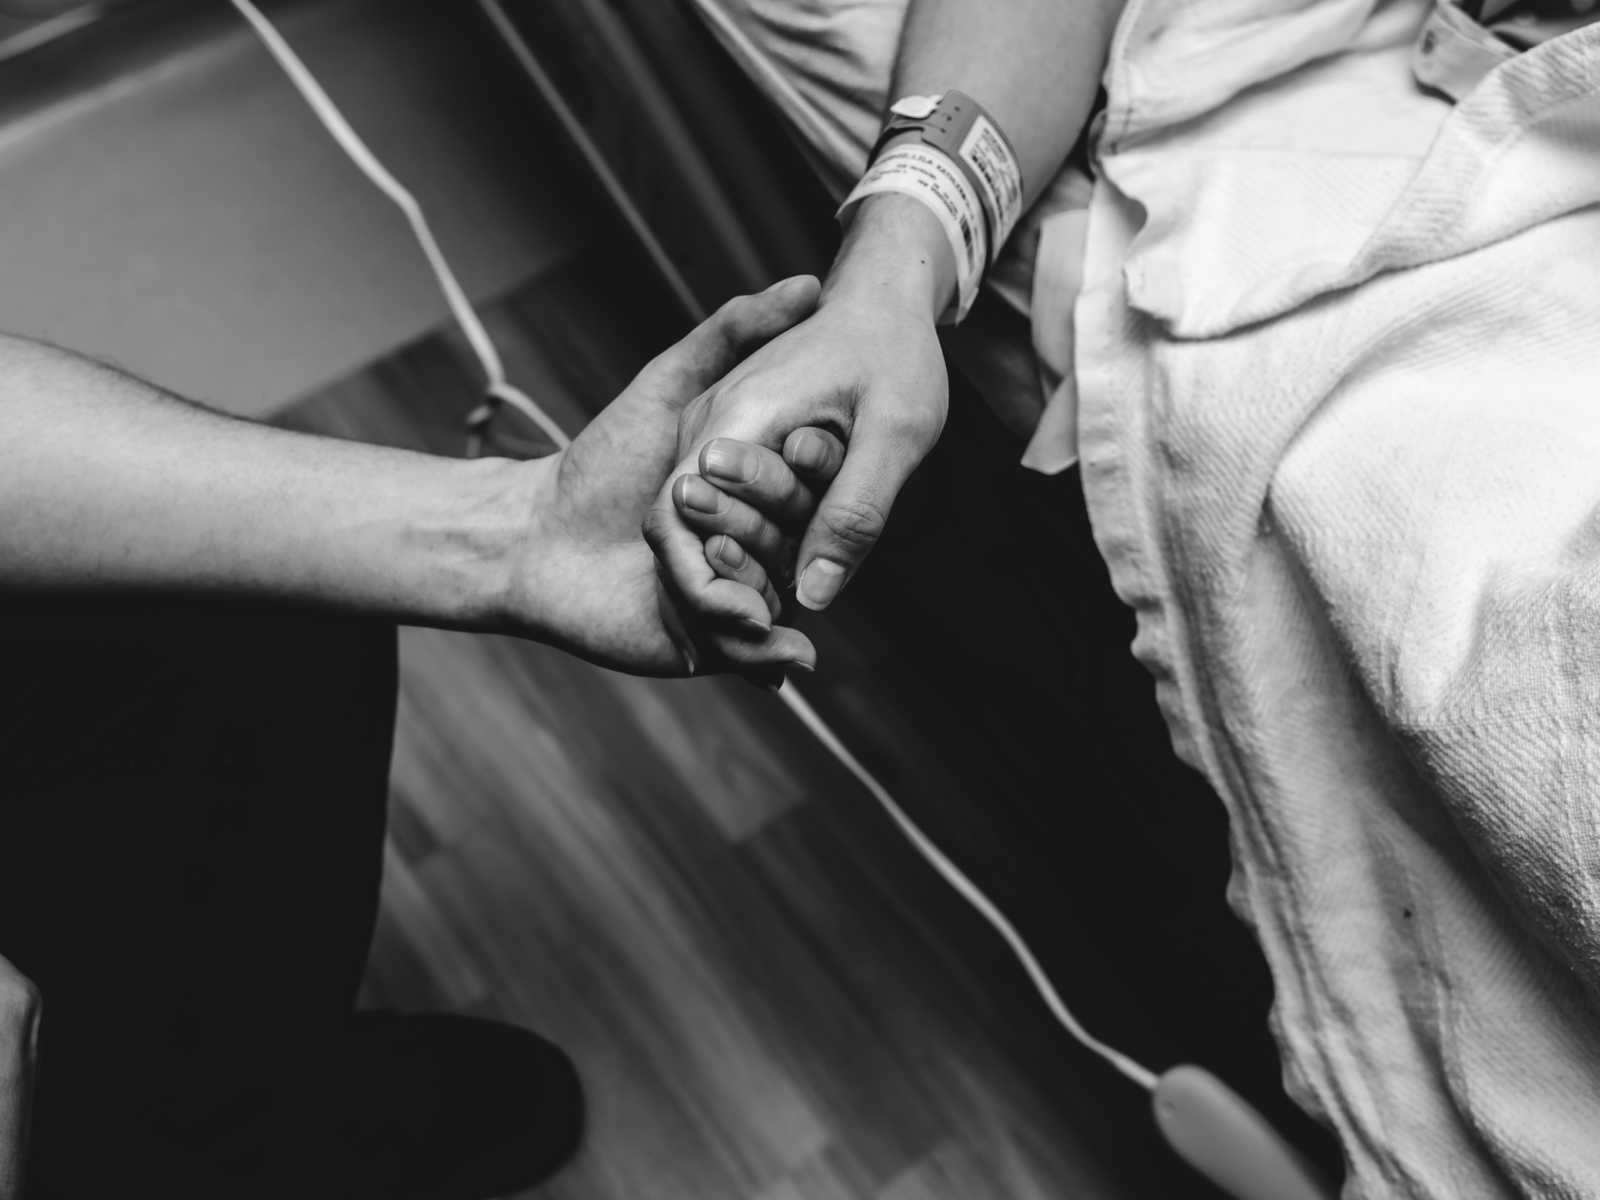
853, 513
719, 343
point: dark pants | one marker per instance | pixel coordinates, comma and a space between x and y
192, 809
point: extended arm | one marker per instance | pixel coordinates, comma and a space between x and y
1035, 66
109, 484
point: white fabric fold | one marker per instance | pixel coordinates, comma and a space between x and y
1336, 381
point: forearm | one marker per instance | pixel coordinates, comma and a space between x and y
1035, 65
108, 484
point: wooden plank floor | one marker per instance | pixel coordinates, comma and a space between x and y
669, 881
769, 996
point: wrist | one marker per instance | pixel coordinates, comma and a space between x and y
894, 252
476, 544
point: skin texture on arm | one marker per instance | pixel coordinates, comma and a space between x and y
108, 484
868, 363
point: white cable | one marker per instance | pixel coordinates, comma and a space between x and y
496, 385
520, 401
968, 891
498, 388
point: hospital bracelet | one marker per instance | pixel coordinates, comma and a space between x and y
957, 124
928, 175
957, 129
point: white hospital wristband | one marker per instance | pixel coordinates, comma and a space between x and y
929, 175
957, 124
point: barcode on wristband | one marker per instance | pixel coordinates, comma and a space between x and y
990, 158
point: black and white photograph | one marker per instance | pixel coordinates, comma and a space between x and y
799, 599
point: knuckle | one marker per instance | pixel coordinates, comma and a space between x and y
734, 409
744, 523
855, 522
733, 561
696, 411
738, 391
917, 426
758, 534
729, 312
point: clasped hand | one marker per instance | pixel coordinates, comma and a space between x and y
792, 423
789, 466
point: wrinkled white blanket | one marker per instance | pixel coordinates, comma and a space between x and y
1338, 362
1339, 365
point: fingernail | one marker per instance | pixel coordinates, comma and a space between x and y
819, 583
810, 453
691, 667
755, 626
730, 552
801, 665
699, 495
728, 461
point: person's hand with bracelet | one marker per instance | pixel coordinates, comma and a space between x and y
940, 195
867, 365
943, 187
